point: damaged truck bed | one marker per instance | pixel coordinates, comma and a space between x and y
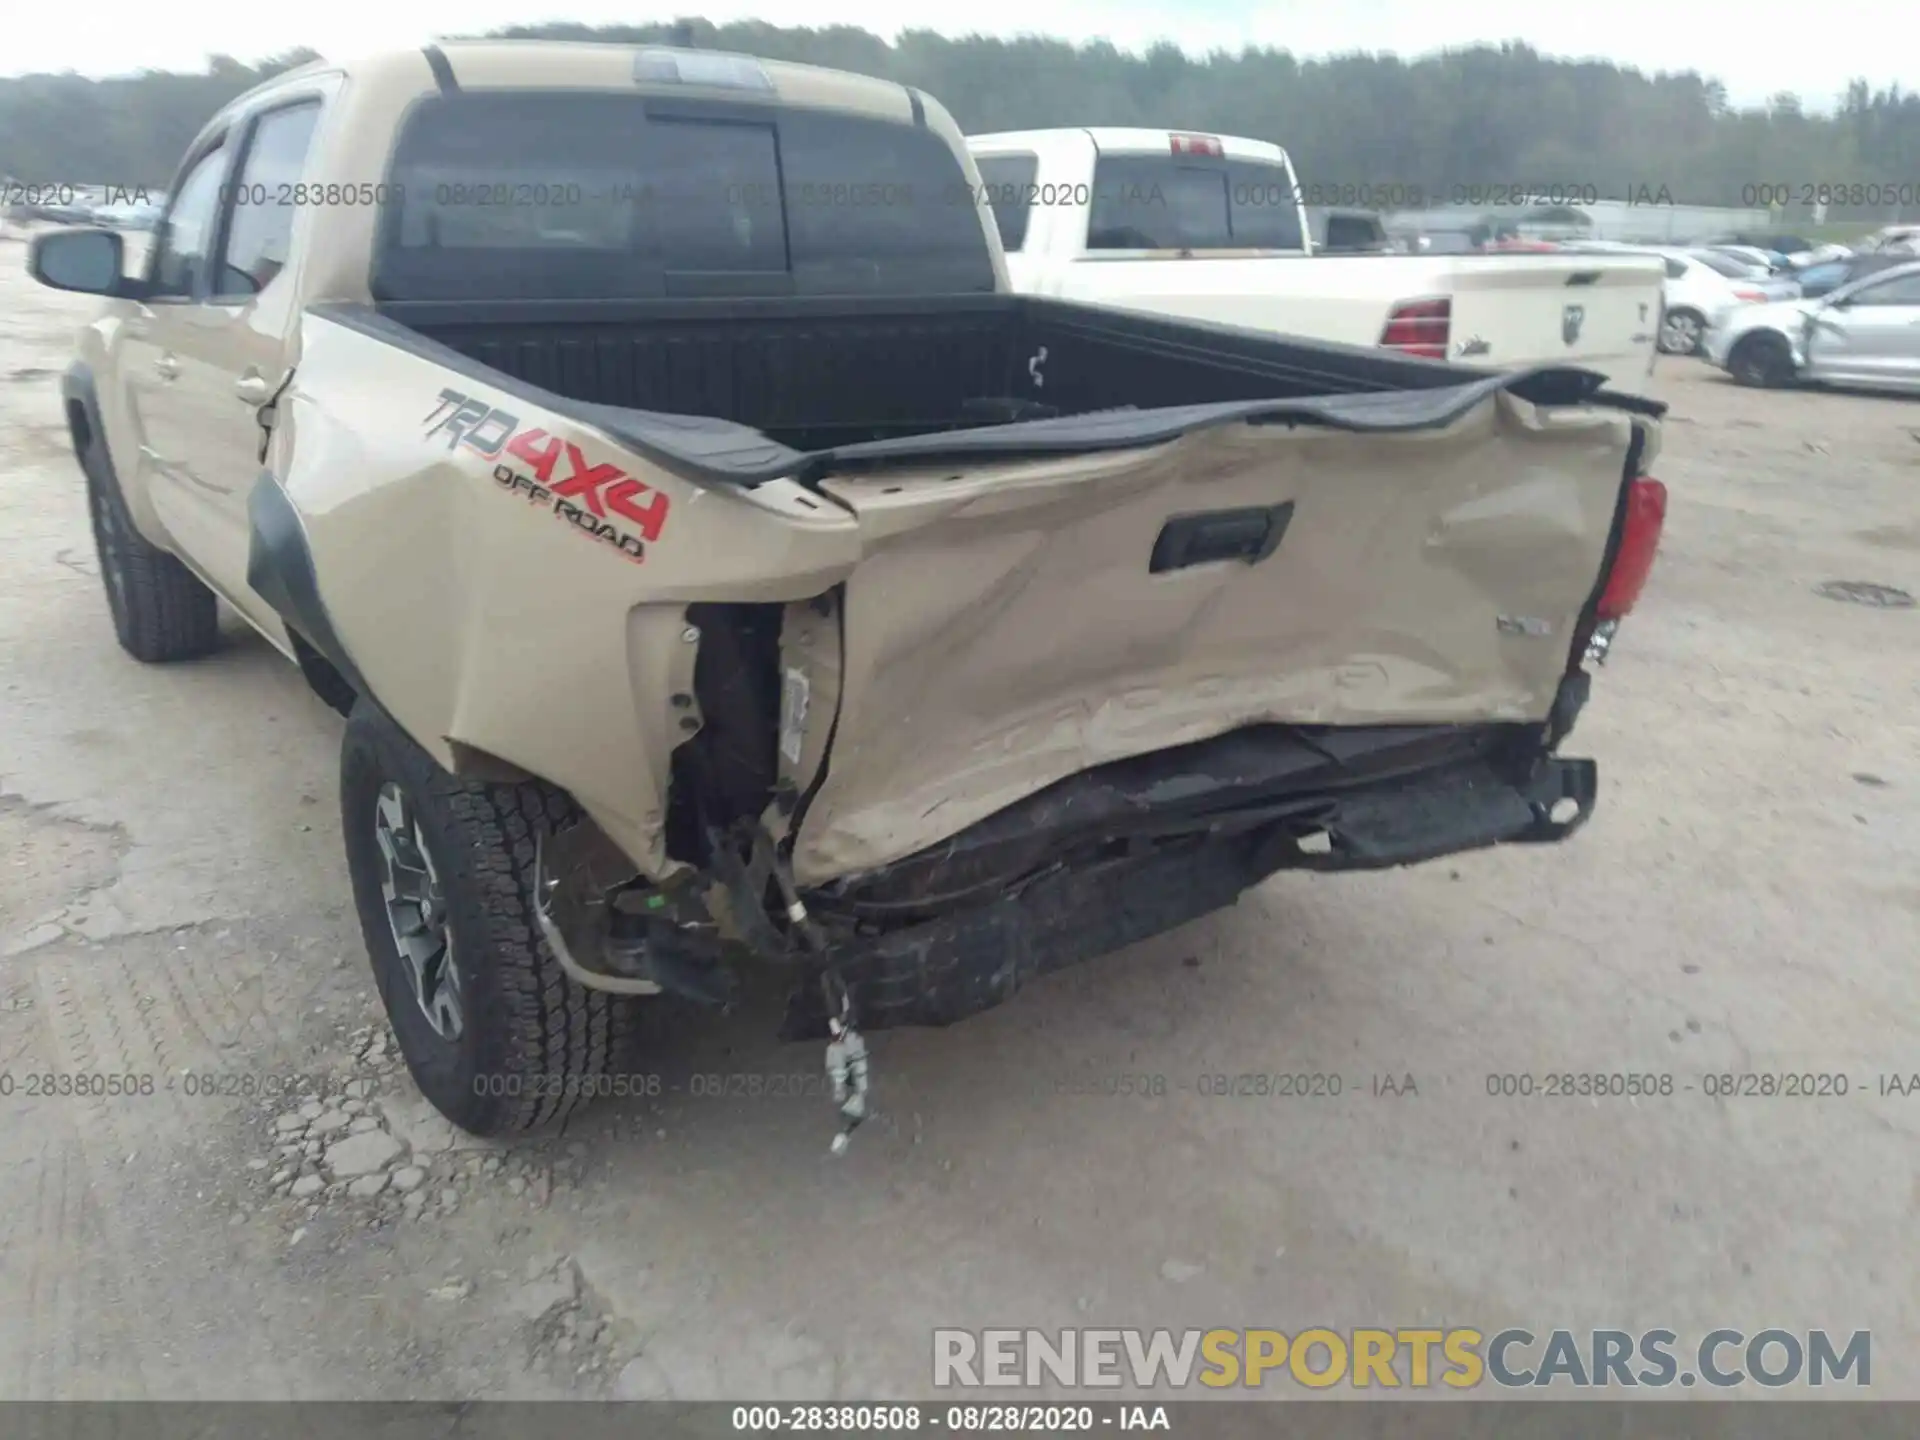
821, 605
1116, 662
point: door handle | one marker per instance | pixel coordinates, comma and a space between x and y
253, 389
167, 368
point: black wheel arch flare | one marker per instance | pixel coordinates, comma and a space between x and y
280, 571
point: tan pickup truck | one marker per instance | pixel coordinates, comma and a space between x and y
719, 566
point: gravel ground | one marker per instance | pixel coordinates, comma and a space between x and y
282, 1218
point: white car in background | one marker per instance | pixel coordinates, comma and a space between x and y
130, 214
1741, 272
1893, 240
1698, 289
1865, 333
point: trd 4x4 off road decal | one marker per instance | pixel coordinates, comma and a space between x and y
601, 500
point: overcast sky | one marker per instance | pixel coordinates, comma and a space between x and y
1754, 53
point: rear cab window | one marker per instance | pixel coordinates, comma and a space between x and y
574, 194
1192, 202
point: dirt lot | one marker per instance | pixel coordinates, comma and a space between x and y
173, 905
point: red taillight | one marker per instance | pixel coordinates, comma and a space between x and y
1419, 327
1751, 297
1196, 145
1646, 515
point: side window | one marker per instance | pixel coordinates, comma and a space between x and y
1008, 181
1676, 270
263, 199
184, 245
1904, 291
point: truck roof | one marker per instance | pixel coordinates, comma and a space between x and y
1124, 140
570, 64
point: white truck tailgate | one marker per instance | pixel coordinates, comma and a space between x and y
1600, 312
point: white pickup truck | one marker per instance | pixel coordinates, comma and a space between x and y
1206, 227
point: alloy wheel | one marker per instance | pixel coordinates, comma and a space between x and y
417, 912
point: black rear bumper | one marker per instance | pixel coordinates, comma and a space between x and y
946, 969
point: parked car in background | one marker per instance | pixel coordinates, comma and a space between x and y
1820, 254
1415, 233
1798, 251
130, 214
1445, 239
1347, 232
1776, 286
1772, 262
59, 204
1866, 333
1694, 292
1734, 267
1830, 275
1209, 227
1894, 240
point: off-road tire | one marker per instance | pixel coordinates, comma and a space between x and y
534, 1044
161, 610
1761, 359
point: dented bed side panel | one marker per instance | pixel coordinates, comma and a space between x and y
507, 579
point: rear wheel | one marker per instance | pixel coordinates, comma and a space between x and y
1761, 359
1681, 332
161, 611
496, 1035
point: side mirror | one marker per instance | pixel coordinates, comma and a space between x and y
88, 261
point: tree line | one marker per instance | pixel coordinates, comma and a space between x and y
1473, 122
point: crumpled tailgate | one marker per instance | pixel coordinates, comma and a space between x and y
1009, 625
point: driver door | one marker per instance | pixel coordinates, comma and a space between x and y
1869, 335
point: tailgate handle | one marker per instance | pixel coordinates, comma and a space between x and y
1250, 535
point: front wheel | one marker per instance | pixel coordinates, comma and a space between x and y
1681, 332
1762, 360
160, 609
496, 1035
